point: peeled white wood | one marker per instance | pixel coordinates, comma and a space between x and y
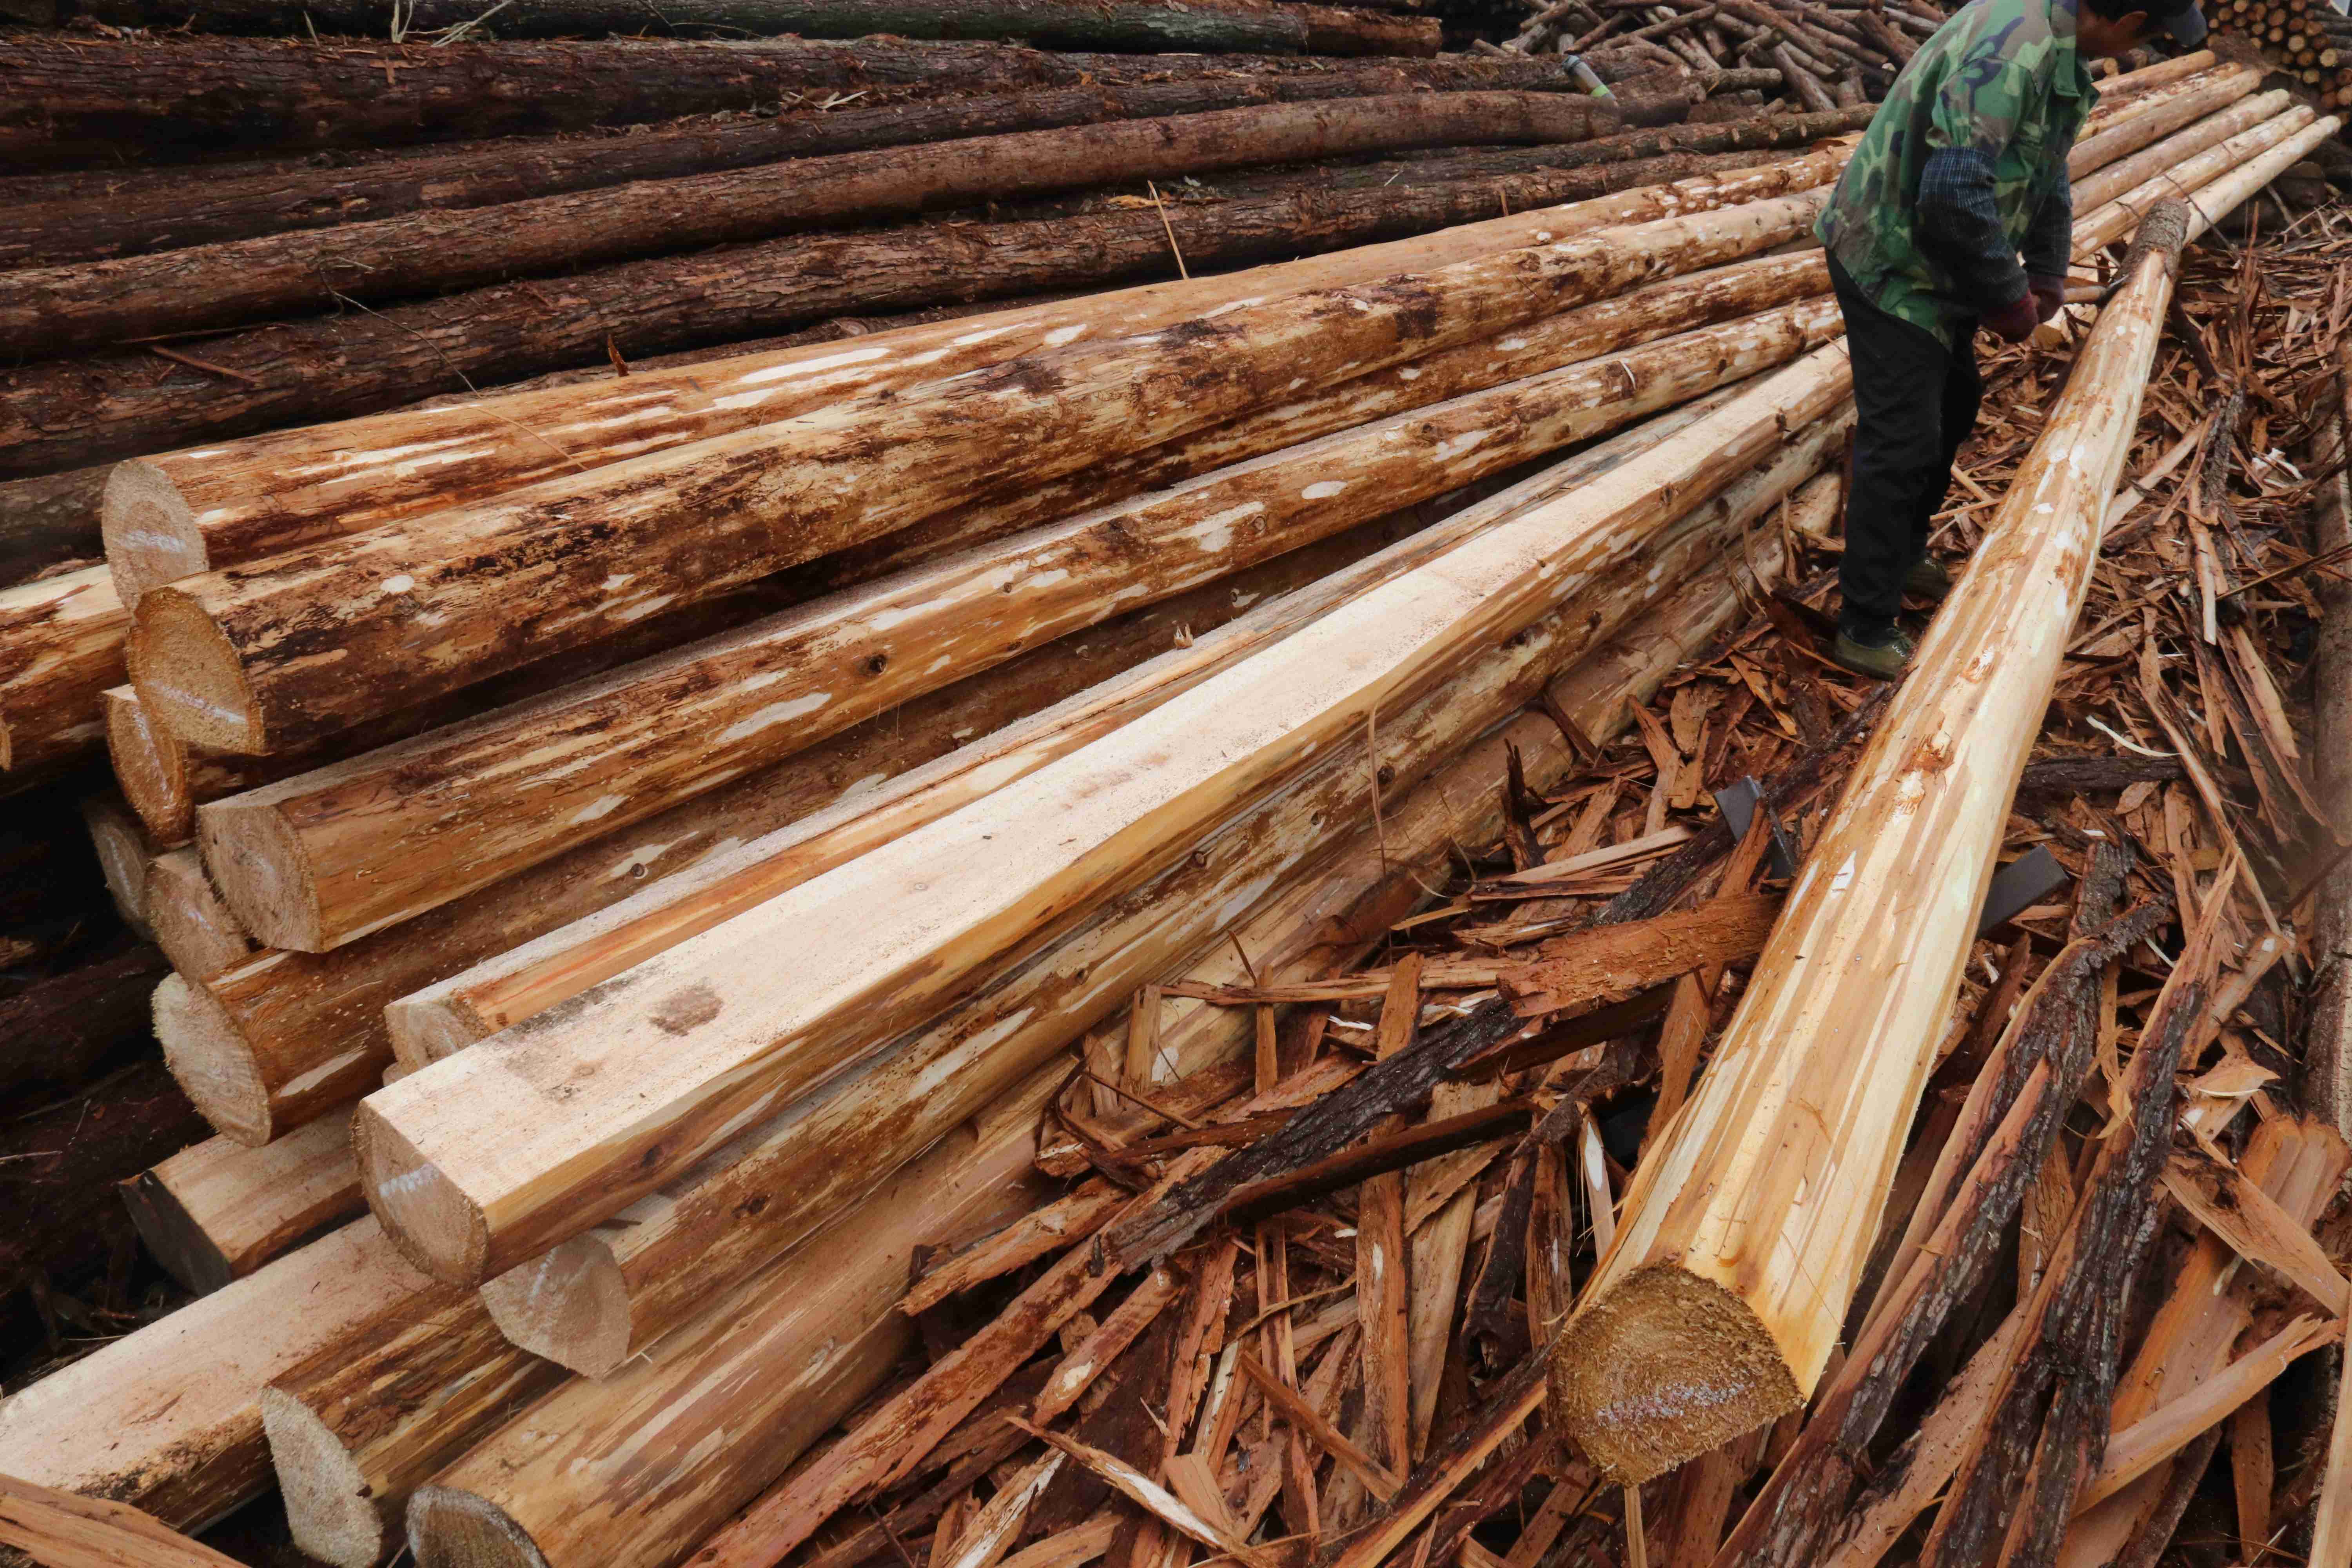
220, 1211
505, 989
169, 1417
707, 1039
417, 608
1746, 1226
181, 514
592, 1473
123, 853
318, 860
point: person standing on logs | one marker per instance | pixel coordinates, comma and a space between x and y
1954, 213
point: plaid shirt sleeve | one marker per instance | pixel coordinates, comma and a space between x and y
2050, 238
1961, 222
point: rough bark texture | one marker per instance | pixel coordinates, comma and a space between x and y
176, 513
58, 1168
53, 311
500, 793
1224, 26
56, 1030
89, 99
288, 1014
100, 407
144, 212
230, 658
47, 520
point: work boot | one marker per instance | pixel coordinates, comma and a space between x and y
1927, 579
1879, 652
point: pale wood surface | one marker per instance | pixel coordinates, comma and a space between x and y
332, 854
270, 494
192, 925
219, 1211
224, 658
169, 1418
713, 1041
67, 1531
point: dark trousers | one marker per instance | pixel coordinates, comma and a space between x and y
1914, 402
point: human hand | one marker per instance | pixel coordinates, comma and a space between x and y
2049, 296
2014, 322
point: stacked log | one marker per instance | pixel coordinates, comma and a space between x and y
2309, 40
1073, 646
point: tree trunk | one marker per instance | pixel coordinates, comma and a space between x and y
355, 481
241, 1038
169, 1418
315, 859
2152, 118
123, 852
89, 100
1201, 27
55, 310
47, 520
526, 981
219, 1211
1689, 1296
602, 1297
228, 662
61, 1029
359, 1426
2289, 135
996, 879
589, 1474
148, 212
60, 649
58, 1171
2120, 177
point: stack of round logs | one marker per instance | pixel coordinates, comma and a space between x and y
1828, 55
2309, 40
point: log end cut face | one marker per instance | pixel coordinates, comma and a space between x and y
213, 1062
150, 531
188, 672
434, 1225
1662, 1369
451, 1529
329, 1502
149, 767
570, 1304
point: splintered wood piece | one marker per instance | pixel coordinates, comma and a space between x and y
1094, 1353
1510, 1403
67, 1529
219, 1211
2136, 1449
2252, 1475
1743, 1238
2331, 1534
1377, 1478
2255, 1227
1070, 1218
982, 1542
1440, 1247
1569, 971
1152, 1498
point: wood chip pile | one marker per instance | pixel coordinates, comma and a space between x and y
1239, 918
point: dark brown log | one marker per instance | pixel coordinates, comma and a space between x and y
144, 211
54, 310
1227, 27
93, 100
60, 1028
60, 1165
49, 520
67, 413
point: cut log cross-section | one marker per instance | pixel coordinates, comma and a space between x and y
995, 878
176, 514
417, 608
321, 859
55, 310
1745, 1232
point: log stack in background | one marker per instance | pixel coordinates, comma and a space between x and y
675, 839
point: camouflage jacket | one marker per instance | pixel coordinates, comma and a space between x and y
2000, 81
